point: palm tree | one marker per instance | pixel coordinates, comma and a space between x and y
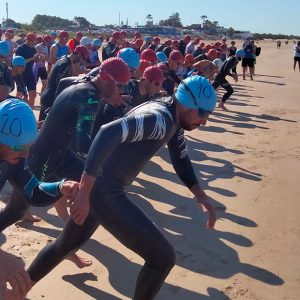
204, 18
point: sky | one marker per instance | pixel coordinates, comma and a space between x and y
257, 16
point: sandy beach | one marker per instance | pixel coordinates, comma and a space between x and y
248, 161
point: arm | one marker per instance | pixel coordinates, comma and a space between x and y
184, 169
52, 56
39, 193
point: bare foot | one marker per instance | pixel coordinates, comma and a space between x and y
221, 105
79, 261
31, 218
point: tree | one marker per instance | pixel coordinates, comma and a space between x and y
149, 19
230, 32
204, 18
43, 22
173, 21
10, 23
82, 22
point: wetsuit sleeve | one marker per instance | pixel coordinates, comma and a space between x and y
180, 159
125, 130
85, 123
35, 193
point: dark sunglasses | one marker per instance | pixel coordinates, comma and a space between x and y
201, 112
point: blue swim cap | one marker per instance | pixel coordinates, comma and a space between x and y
130, 56
96, 43
18, 125
240, 53
161, 57
148, 39
18, 61
196, 92
4, 49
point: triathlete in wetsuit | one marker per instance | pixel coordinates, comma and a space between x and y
225, 70
18, 129
71, 120
61, 69
136, 138
169, 69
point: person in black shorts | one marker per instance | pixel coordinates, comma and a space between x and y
118, 153
297, 55
248, 60
226, 70
28, 51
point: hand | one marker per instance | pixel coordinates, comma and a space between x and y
12, 271
204, 204
69, 189
235, 77
80, 207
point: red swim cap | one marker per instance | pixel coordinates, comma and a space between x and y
153, 73
31, 37
150, 55
189, 58
63, 35
176, 55
79, 34
47, 38
83, 51
114, 69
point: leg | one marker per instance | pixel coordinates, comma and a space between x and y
44, 84
31, 98
14, 210
71, 238
137, 232
229, 91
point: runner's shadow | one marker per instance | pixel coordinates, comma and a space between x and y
123, 282
197, 248
273, 76
270, 82
217, 129
79, 281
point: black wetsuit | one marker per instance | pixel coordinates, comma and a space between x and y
30, 191
118, 153
109, 50
69, 123
220, 79
61, 69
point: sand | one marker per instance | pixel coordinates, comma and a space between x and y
248, 161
